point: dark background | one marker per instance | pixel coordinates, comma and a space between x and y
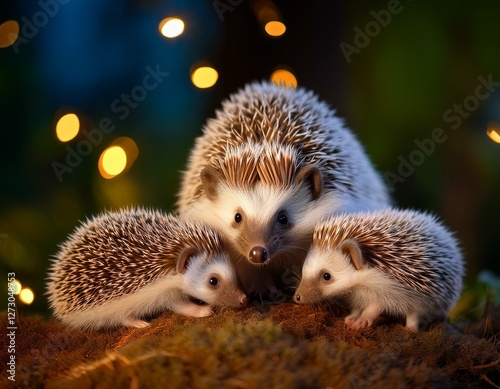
393, 92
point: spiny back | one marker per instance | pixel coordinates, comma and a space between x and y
269, 113
412, 247
247, 164
118, 252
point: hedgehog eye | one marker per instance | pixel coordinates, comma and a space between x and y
327, 276
213, 281
282, 218
238, 218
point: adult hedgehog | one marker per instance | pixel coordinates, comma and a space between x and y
272, 164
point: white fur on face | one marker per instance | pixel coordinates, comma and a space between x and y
260, 207
197, 280
334, 262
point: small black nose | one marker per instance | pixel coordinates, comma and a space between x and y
258, 255
297, 297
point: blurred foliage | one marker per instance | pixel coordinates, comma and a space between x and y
394, 91
476, 296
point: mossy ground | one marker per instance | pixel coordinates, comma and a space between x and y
282, 346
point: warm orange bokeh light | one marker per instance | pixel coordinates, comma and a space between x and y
275, 28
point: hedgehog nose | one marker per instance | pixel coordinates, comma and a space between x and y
258, 255
297, 298
244, 301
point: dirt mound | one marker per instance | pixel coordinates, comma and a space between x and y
282, 346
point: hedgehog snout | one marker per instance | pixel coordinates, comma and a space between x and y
237, 299
244, 301
258, 255
307, 294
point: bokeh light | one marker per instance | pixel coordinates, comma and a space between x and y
17, 286
171, 27
67, 127
118, 157
204, 77
494, 131
284, 77
112, 162
27, 296
129, 146
275, 28
9, 32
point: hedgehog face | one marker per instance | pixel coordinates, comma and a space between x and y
210, 279
264, 221
327, 273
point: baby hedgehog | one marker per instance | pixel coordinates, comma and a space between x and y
399, 263
273, 163
122, 266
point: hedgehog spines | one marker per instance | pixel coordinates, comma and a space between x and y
402, 244
263, 113
122, 252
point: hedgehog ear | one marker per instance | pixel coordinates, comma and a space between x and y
184, 258
311, 175
210, 178
352, 249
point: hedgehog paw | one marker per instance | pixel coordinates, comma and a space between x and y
366, 319
361, 323
195, 310
203, 311
349, 320
130, 322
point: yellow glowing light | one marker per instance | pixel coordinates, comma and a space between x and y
494, 132
284, 77
27, 296
275, 28
112, 162
204, 77
118, 157
130, 148
171, 27
16, 285
9, 32
67, 127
